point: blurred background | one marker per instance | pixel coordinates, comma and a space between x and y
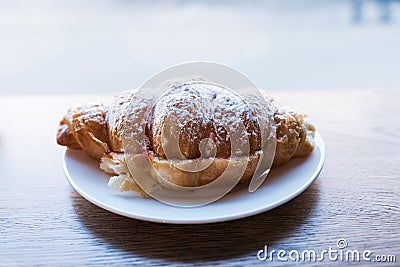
99, 46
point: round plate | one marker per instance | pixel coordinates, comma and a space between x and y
282, 184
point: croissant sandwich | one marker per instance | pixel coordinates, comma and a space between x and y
100, 129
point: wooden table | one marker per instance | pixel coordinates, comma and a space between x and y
43, 221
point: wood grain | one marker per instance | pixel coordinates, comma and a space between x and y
356, 197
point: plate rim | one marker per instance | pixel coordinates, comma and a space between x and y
321, 161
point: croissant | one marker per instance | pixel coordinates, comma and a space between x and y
98, 130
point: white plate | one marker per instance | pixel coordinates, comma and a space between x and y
282, 184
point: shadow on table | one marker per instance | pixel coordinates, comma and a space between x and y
197, 243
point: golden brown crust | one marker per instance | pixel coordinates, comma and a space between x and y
179, 177
289, 134
96, 131
294, 135
202, 119
85, 128
65, 136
